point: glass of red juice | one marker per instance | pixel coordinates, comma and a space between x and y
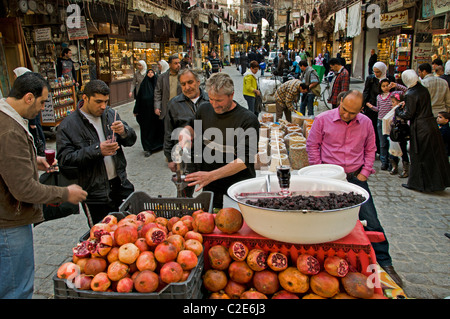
50, 156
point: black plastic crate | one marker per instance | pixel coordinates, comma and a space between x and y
167, 207
188, 289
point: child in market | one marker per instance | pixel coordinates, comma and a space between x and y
442, 120
384, 105
397, 100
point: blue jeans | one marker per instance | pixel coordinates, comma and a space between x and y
16, 262
251, 103
384, 144
368, 212
307, 100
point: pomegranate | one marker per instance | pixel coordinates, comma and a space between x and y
146, 216
146, 281
68, 269
146, 261
101, 247
238, 251
253, 294
187, 259
177, 240
266, 282
155, 236
308, 264
292, 280
194, 235
194, 245
257, 259
312, 296
142, 244
100, 282
171, 272
197, 212
229, 220
109, 220
219, 295
171, 222
128, 253
283, 294
214, 280
234, 289
99, 229
125, 234
81, 262
83, 282
336, 266
188, 220
125, 285
204, 223
240, 272
179, 228
113, 254
82, 250
277, 261
165, 252
128, 222
162, 221
117, 270
94, 266
219, 258
185, 276
355, 284
324, 285
343, 295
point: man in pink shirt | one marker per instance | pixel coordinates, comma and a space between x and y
345, 137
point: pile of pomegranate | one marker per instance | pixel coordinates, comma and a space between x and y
239, 273
138, 253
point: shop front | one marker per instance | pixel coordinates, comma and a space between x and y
148, 52
394, 50
441, 45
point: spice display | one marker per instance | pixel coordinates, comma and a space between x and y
267, 117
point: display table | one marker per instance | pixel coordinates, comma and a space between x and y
355, 247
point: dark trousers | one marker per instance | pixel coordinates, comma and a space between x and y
280, 109
368, 212
116, 196
307, 101
251, 103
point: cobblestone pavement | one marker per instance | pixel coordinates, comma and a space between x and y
414, 222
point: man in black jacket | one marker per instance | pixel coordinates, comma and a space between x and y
181, 110
88, 146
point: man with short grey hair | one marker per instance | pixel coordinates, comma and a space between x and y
228, 134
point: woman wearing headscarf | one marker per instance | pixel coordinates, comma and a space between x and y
152, 128
318, 60
430, 169
138, 78
370, 93
163, 66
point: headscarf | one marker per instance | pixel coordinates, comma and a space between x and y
164, 66
20, 71
144, 67
298, 59
145, 97
447, 68
410, 78
382, 67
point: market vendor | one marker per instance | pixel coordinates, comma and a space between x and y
344, 137
285, 96
225, 136
65, 66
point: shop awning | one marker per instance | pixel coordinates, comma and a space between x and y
147, 6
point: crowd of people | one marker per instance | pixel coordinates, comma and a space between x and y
168, 104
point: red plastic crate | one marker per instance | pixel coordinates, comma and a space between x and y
355, 247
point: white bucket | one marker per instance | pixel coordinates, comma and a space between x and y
324, 171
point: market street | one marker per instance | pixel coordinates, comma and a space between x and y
414, 222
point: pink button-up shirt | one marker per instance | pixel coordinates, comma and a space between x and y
333, 141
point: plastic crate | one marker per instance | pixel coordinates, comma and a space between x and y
167, 206
355, 247
189, 289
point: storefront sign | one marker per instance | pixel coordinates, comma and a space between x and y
394, 5
441, 6
44, 34
48, 114
394, 19
78, 33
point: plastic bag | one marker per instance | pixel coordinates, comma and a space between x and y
268, 89
395, 149
386, 122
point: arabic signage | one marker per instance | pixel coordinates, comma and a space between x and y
78, 33
394, 19
44, 34
441, 6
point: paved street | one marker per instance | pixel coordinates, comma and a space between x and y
414, 222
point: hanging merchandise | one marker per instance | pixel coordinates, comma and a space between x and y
354, 21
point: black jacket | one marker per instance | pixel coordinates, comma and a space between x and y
180, 111
79, 155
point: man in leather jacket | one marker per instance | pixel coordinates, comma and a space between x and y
89, 149
181, 110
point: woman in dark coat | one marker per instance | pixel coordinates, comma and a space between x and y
430, 169
152, 128
244, 62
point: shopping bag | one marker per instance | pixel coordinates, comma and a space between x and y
395, 149
57, 210
386, 122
